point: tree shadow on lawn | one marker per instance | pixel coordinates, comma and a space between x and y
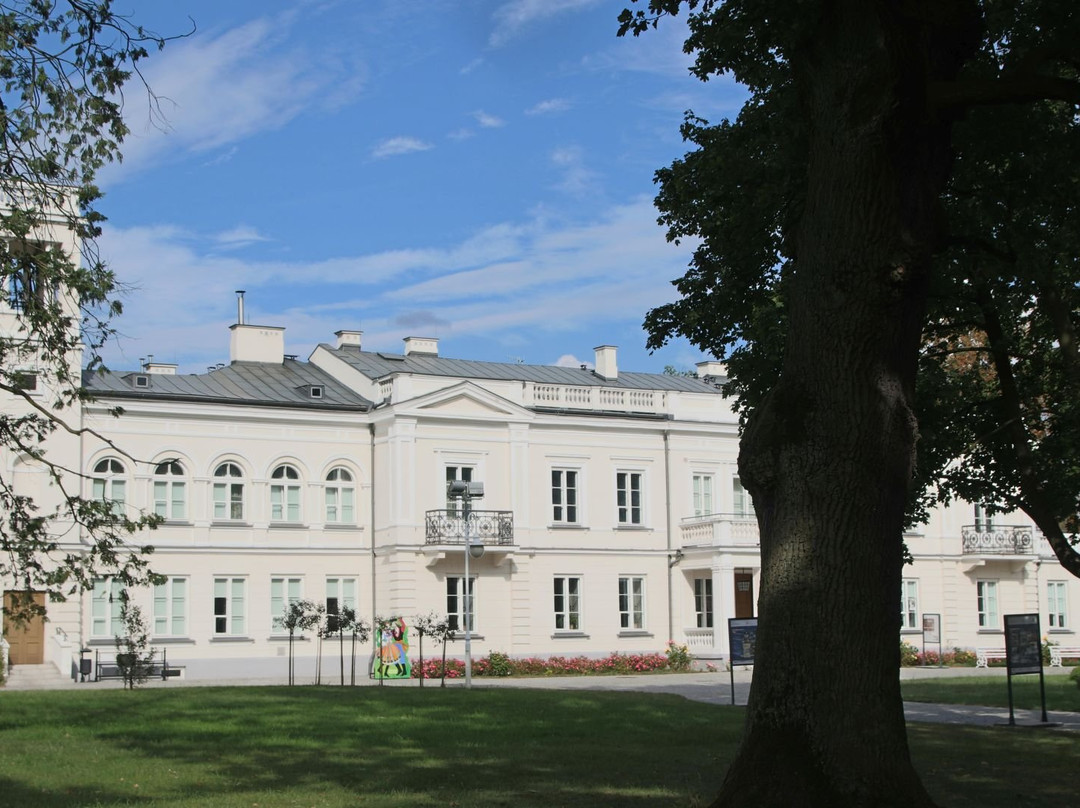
446, 746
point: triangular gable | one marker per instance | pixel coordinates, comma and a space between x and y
464, 399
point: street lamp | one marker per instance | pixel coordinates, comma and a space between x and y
467, 491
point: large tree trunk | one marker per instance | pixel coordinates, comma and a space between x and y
829, 455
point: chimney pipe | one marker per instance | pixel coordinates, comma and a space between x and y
240, 306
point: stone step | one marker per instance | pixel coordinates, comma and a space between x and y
36, 677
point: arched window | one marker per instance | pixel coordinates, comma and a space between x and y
285, 494
109, 483
228, 492
170, 490
340, 497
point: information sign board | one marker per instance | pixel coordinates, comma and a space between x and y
1023, 646
742, 637
931, 629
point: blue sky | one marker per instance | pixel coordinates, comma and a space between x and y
474, 170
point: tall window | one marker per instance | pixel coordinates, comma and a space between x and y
340, 496
564, 496
703, 494
285, 494
703, 602
106, 602
632, 603
982, 517
228, 492
229, 612
986, 596
170, 608
628, 496
284, 592
453, 474
170, 490
459, 602
909, 603
1056, 604
744, 504
567, 603
108, 483
340, 594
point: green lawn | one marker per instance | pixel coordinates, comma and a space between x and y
1061, 694
373, 747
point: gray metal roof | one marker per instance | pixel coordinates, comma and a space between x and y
376, 365
258, 383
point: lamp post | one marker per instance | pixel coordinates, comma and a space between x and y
467, 491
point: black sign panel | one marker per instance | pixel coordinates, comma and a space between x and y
1023, 646
742, 637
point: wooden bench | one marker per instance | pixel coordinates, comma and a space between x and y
1061, 652
113, 670
983, 656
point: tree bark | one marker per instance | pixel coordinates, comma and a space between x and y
830, 453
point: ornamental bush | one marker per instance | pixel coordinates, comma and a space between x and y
499, 664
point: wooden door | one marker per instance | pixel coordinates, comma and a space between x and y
744, 594
27, 640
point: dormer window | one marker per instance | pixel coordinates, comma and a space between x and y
316, 390
141, 380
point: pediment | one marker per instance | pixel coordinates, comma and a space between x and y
469, 401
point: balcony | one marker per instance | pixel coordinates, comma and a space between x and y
491, 528
997, 540
720, 530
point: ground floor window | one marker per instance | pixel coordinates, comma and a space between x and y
703, 602
106, 604
909, 603
170, 608
632, 603
229, 612
340, 595
986, 597
460, 602
1056, 604
284, 592
567, 603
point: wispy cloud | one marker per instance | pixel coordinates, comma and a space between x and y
399, 145
239, 236
513, 17
488, 121
549, 107
576, 177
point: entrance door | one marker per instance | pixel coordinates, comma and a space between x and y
744, 594
27, 640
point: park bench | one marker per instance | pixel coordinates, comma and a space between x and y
1062, 652
983, 656
113, 670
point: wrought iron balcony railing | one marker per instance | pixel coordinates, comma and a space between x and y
997, 540
448, 527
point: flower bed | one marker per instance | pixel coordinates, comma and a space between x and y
498, 664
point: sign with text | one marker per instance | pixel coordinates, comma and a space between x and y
931, 628
742, 637
1023, 644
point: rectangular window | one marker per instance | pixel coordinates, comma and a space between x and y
284, 503
703, 602
632, 603
909, 603
229, 606
340, 507
283, 593
567, 603
1056, 604
628, 496
986, 594
169, 499
744, 504
340, 594
455, 473
229, 501
564, 496
457, 606
113, 490
703, 494
170, 608
105, 605
982, 518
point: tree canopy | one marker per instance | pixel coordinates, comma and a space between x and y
64, 66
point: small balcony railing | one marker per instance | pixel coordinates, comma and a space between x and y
720, 530
997, 540
448, 527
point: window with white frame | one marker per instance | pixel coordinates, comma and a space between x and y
987, 604
564, 496
340, 595
108, 483
1056, 604
170, 608
454, 474
909, 603
703, 602
983, 520
628, 486
229, 603
567, 603
284, 592
460, 602
106, 604
632, 602
703, 494
744, 504
285, 494
340, 497
229, 492
170, 490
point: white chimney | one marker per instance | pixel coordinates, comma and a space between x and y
421, 346
606, 367
348, 339
712, 369
257, 343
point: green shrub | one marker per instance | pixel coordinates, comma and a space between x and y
1075, 676
963, 656
678, 657
909, 654
498, 664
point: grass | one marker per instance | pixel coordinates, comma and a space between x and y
1061, 694
379, 747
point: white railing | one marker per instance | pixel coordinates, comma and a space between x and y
594, 398
720, 530
699, 639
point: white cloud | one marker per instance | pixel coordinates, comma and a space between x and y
577, 179
399, 145
511, 18
239, 236
571, 361
488, 121
549, 107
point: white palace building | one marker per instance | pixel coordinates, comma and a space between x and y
613, 517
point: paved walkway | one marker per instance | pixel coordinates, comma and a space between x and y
711, 688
